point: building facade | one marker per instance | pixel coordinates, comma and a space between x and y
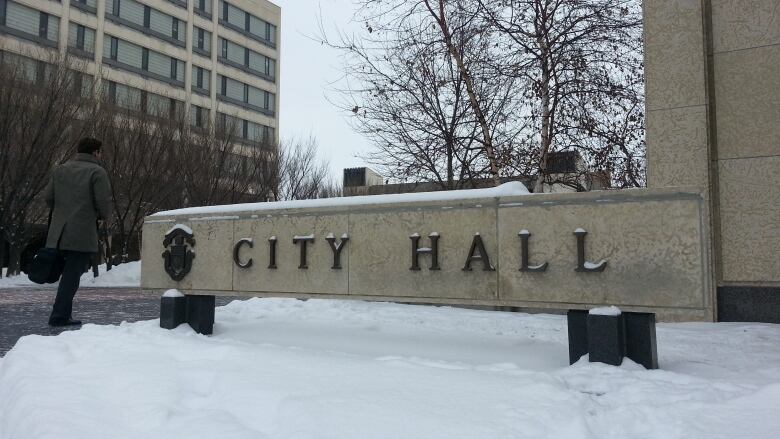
216, 60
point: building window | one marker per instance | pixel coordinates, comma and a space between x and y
29, 23
244, 22
203, 7
144, 18
140, 59
201, 41
201, 80
199, 116
248, 60
85, 5
237, 92
81, 38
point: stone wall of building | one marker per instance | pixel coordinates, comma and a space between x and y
713, 120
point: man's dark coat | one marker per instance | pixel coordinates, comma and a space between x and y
80, 192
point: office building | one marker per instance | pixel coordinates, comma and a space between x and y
216, 60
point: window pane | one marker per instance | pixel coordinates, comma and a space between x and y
89, 40
270, 68
130, 54
236, 16
159, 64
235, 53
128, 97
162, 23
106, 46
257, 61
179, 70
156, 105
235, 90
73, 29
22, 18
257, 26
53, 33
257, 97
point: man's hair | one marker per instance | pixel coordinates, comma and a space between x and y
89, 145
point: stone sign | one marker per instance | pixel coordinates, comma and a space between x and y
642, 250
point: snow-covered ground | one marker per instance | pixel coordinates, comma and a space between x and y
283, 368
123, 275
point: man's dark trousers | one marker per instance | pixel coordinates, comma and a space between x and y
75, 264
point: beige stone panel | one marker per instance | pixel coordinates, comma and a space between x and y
653, 250
318, 278
674, 54
153, 275
677, 151
212, 268
750, 219
381, 258
742, 24
747, 96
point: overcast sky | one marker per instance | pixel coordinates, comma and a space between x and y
307, 69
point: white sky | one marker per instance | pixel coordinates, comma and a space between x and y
307, 69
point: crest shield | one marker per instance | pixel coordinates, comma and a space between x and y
178, 254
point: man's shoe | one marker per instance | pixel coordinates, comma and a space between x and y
64, 322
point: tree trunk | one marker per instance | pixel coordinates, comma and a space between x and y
546, 137
2, 253
14, 259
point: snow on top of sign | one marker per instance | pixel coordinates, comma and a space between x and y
505, 190
182, 227
524, 232
303, 237
345, 236
579, 230
434, 234
605, 311
173, 293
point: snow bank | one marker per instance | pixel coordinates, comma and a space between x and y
121, 276
281, 368
505, 190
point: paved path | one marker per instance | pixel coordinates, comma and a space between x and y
26, 311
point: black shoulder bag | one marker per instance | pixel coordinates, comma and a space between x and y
47, 265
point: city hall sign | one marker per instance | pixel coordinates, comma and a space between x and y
645, 250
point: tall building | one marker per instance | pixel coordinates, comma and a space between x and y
215, 59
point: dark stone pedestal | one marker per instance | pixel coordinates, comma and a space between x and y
200, 313
606, 340
173, 311
640, 338
578, 334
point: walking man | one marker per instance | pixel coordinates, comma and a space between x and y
80, 193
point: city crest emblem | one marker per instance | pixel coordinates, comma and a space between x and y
178, 255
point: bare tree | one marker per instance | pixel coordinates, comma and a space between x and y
38, 102
579, 66
415, 81
140, 160
302, 175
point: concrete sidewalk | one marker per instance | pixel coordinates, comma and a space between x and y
25, 311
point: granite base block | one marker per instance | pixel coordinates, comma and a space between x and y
640, 338
173, 312
200, 313
606, 339
578, 334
